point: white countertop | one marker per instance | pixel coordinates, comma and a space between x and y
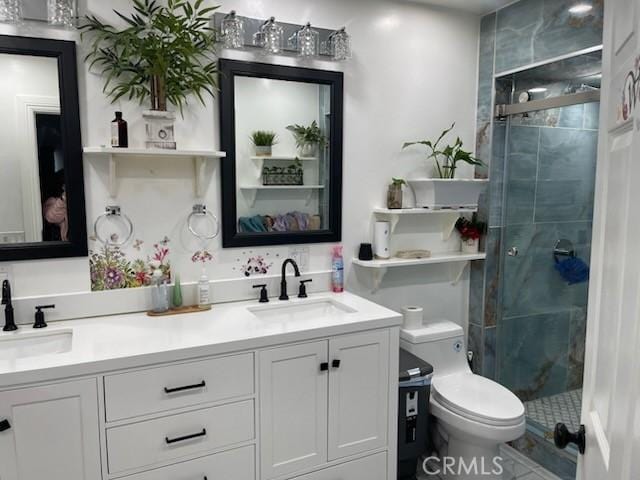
103, 344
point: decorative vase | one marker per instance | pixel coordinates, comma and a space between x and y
470, 245
263, 150
159, 127
394, 196
448, 193
308, 150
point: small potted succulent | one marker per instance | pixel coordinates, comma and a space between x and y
308, 139
470, 232
446, 191
263, 142
394, 193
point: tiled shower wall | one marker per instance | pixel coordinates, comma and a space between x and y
530, 335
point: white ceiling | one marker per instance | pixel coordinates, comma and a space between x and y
475, 6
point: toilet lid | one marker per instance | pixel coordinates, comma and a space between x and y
478, 398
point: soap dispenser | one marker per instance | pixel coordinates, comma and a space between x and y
159, 290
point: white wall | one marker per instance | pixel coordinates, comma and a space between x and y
412, 74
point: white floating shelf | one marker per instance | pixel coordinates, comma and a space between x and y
251, 191
380, 267
284, 157
449, 216
199, 158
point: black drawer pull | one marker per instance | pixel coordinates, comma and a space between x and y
324, 366
186, 437
202, 384
335, 363
4, 425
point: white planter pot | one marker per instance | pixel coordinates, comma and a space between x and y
308, 150
470, 246
159, 127
263, 151
438, 193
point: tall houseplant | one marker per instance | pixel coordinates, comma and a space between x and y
164, 54
446, 191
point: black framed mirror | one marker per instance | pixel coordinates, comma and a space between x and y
281, 128
42, 211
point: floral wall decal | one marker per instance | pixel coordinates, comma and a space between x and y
111, 269
256, 265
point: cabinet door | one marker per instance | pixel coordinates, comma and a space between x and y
293, 408
52, 434
358, 393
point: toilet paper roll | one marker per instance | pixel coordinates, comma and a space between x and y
412, 317
381, 237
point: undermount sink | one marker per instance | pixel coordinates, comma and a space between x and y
35, 344
302, 310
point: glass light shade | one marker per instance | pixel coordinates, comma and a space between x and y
307, 41
11, 11
339, 45
61, 12
270, 37
232, 30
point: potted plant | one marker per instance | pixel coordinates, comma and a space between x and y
308, 138
263, 142
470, 232
446, 191
165, 54
394, 193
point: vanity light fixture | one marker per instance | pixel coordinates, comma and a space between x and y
339, 45
580, 8
305, 41
537, 90
232, 31
269, 37
11, 11
61, 13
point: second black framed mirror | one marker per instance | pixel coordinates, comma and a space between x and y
281, 128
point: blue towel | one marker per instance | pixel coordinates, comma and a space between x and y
573, 270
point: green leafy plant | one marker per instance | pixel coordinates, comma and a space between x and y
311, 135
262, 138
398, 182
165, 53
446, 158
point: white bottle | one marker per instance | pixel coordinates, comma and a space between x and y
203, 290
159, 291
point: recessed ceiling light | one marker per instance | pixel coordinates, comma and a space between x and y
537, 90
581, 8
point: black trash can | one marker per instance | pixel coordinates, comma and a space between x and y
413, 413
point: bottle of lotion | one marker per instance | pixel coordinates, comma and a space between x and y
337, 269
203, 289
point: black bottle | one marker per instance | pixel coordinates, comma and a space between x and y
119, 135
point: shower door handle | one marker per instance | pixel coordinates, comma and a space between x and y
513, 252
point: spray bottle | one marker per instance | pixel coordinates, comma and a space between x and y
337, 269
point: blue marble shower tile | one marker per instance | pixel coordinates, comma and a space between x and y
577, 341
531, 283
562, 32
566, 176
476, 292
523, 152
571, 117
592, 115
533, 354
516, 27
474, 345
485, 67
489, 357
492, 278
520, 203
496, 174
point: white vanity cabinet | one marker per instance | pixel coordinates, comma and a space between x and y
322, 401
53, 432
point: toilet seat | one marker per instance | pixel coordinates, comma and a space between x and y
478, 398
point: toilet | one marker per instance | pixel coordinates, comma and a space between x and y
474, 415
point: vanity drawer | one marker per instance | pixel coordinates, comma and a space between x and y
238, 464
371, 468
165, 388
147, 443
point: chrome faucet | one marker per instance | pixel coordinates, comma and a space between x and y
9, 323
283, 281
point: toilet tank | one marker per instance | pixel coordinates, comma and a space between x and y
440, 343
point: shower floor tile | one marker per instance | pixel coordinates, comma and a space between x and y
564, 407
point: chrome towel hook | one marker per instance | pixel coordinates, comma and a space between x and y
200, 210
113, 211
